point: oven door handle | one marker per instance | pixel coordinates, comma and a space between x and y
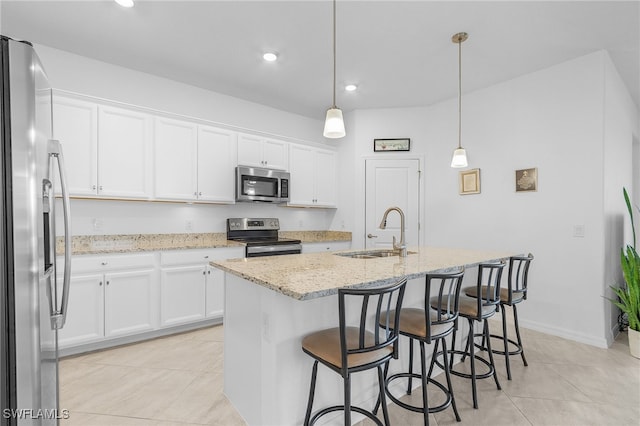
273, 248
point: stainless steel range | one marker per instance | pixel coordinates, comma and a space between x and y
261, 237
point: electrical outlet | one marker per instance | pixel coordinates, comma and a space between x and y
578, 231
300, 224
97, 225
188, 225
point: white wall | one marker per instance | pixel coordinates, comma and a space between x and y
553, 120
79, 74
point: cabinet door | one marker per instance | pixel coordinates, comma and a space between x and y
217, 157
75, 125
85, 314
250, 151
275, 154
176, 157
128, 302
123, 153
182, 294
325, 178
215, 292
301, 167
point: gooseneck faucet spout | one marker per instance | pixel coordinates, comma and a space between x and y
402, 247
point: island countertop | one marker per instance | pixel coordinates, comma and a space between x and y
313, 275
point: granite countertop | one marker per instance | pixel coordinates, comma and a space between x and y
312, 275
131, 243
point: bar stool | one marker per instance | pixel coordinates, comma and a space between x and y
479, 309
515, 293
427, 325
349, 349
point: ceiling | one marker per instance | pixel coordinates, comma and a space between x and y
399, 53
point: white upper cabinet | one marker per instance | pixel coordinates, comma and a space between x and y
193, 162
124, 153
261, 152
176, 156
313, 181
75, 125
217, 158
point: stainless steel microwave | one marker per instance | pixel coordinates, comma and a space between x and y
258, 184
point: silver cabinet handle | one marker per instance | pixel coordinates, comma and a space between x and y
371, 236
60, 315
100, 187
107, 282
104, 263
100, 283
93, 187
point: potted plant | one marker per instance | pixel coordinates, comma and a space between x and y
629, 295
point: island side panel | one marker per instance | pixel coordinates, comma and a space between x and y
242, 344
267, 375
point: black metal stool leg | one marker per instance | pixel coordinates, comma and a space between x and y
312, 391
347, 400
505, 340
410, 365
493, 365
453, 341
447, 373
515, 320
433, 356
386, 371
473, 364
425, 381
382, 397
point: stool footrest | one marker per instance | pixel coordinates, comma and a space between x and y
419, 409
341, 408
466, 375
516, 351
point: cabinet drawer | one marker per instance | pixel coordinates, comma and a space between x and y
110, 262
186, 257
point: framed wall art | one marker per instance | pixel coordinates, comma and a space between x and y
527, 180
383, 145
470, 182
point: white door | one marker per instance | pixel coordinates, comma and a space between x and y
85, 317
392, 183
274, 154
128, 302
182, 294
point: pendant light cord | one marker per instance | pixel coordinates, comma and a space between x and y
334, 54
459, 94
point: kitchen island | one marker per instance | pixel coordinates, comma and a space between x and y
272, 302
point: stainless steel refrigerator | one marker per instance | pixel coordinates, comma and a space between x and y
32, 302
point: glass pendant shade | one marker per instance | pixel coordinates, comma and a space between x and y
334, 124
459, 158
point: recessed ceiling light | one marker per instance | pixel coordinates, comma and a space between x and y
125, 3
350, 87
270, 57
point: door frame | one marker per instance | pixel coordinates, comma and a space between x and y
421, 197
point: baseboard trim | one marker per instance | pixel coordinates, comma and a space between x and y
600, 342
135, 338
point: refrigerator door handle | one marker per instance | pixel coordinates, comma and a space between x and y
59, 316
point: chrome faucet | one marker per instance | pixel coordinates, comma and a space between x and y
403, 245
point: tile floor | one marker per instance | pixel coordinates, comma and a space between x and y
177, 380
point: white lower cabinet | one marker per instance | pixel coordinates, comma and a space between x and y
190, 289
109, 296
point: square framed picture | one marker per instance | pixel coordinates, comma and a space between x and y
383, 145
527, 180
470, 182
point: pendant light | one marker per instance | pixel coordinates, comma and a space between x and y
459, 154
334, 123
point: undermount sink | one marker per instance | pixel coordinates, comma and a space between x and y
372, 254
